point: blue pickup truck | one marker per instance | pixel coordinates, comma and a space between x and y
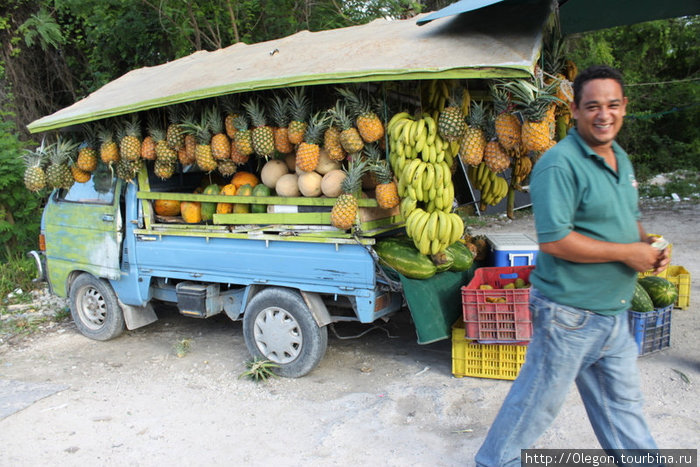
106, 249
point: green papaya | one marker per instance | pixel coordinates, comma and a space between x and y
208, 209
260, 190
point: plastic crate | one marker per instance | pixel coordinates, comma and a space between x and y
497, 315
680, 277
512, 249
651, 330
495, 361
663, 273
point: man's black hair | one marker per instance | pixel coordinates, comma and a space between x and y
596, 72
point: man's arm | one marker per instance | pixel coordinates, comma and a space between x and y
578, 248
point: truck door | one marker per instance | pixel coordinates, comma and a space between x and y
83, 229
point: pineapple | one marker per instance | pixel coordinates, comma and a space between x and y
367, 122
386, 192
533, 102
174, 133
186, 155
227, 167
331, 143
555, 66
231, 114
87, 155
507, 124
262, 136
130, 143
350, 138
280, 116
128, 169
34, 175
451, 122
203, 151
164, 169
148, 145
109, 152
471, 148
220, 144
495, 156
344, 212
299, 109
242, 140
308, 151
164, 152
58, 175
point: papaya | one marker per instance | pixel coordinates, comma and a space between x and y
226, 208
167, 207
208, 209
260, 190
242, 208
462, 257
405, 258
191, 211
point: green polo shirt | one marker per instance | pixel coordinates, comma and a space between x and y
574, 189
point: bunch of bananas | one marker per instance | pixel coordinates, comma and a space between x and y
436, 95
522, 166
422, 161
434, 231
493, 188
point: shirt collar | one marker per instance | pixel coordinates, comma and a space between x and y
586, 149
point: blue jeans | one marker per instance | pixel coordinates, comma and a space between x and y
570, 344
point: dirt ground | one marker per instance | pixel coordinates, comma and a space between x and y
378, 399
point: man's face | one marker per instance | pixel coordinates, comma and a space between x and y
600, 112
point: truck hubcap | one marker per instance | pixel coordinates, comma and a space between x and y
92, 308
277, 335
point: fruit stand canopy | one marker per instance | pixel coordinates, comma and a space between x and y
489, 43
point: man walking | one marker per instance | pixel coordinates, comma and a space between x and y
592, 245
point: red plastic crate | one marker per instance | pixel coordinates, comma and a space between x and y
488, 322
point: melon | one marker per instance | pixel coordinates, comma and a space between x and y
287, 185
291, 161
331, 183
208, 209
661, 291
272, 171
310, 184
325, 163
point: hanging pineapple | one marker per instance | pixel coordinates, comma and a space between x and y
299, 109
368, 123
226, 167
308, 151
58, 175
279, 111
130, 143
166, 157
451, 122
261, 135
128, 169
386, 191
242, 140
34, 174
87, 154
507, 125
350, 138
533, 102
174, 133
109, 151
331, 142
148, 145
495, 156
231, 111
203, 151
344, 211
473, 143
220, 144
79, 175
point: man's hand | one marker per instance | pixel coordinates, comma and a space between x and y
642, 257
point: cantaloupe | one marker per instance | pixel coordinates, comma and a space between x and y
291, 161
272, 171
325, 163
287, 185
331, 183
310, 184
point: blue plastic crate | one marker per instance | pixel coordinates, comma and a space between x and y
651, 330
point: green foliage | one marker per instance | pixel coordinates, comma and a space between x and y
17, 272
259, 370
660, 61
42, 28
19, 209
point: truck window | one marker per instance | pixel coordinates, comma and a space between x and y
98, 190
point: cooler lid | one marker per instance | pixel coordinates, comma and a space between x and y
511, 241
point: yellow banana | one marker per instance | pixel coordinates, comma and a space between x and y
418, 173
429, 178
419, 224
406, 132
444, 226
421, 141
397, 116
432, 225
439, 175
447, 198
411, 221
440, 155
410, 170
432, 125
435, 246
466, 101
433, 154
438, 202
425, 154
397, 129
432, 193
457, 227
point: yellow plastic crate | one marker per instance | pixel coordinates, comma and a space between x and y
663, 273
680, 277
496, 361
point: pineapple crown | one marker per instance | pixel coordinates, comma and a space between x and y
279, 111
357, 167
489, 126
105, 133
299, 104
153, 124
501, 99
229, 104
132, 126
340, 115
200, 130
61, 151
255, 112
36, 157
372, 152
477, 114
378, 165
531, 99
215, 120
89, 135
356, 105
241, 123
317, 124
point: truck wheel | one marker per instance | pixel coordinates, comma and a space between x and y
95, 309
278, 326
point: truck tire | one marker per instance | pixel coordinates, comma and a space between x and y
95, 309
278, 326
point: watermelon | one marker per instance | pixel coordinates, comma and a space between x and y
402, 256
641, 301
661, 291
